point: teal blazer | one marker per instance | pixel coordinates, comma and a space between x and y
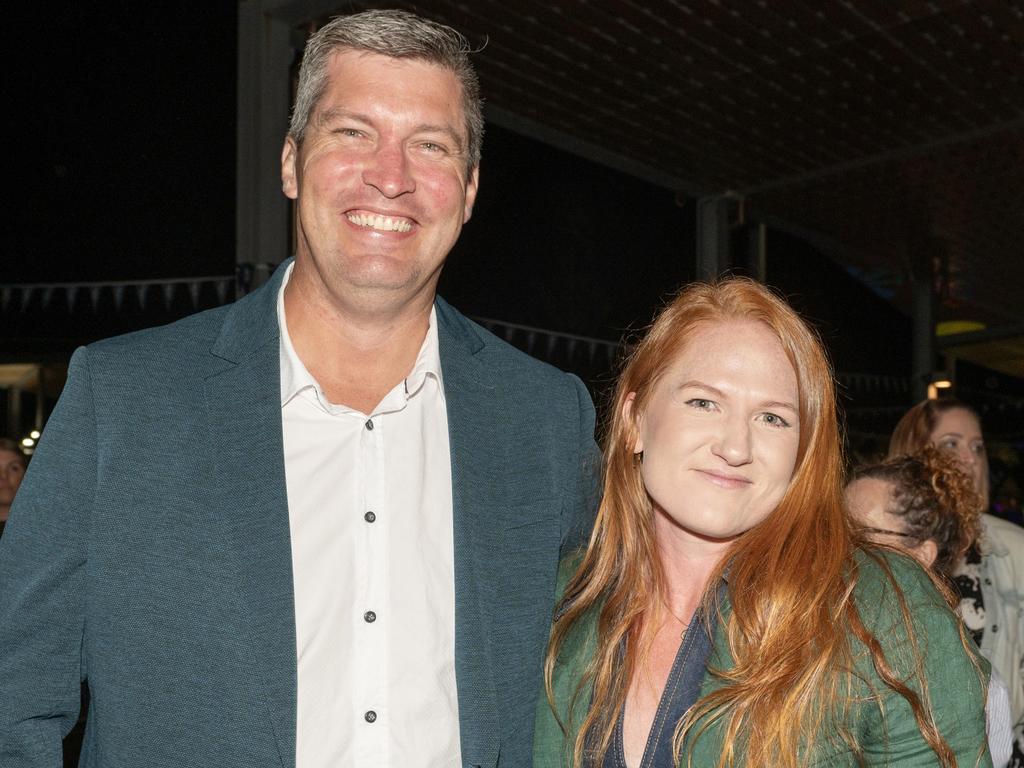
148, 551
889, 739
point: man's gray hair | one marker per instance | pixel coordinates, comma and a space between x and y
399, 35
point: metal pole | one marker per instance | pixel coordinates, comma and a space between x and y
924, 328
712, 237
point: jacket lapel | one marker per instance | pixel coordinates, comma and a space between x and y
469, 394
244, 409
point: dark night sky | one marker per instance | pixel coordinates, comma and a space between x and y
124, 161
124, 140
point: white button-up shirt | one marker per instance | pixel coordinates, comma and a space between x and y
370, 510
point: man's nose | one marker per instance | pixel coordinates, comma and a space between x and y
388, 171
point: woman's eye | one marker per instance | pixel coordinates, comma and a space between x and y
979, 449
700, 404
948, 445
774, 420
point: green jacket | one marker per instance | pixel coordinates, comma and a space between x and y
892, 739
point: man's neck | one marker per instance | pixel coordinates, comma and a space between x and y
357, 358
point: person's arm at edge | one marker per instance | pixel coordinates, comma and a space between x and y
580, 504
42, 573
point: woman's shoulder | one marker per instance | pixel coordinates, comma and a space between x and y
923, 645
567, 568
885, 579
1002, 538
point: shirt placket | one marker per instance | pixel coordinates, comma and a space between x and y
370, 619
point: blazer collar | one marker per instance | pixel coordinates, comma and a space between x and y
251, 321
469, 395
249, 497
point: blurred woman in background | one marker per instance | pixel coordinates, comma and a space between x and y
925, 505
12, 468
990, 577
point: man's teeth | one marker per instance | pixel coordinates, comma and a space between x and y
376, 221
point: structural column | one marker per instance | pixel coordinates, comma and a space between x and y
924, 326
712, 237
264, 95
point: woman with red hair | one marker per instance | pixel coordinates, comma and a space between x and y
725, 612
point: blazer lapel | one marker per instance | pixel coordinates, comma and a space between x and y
244, 407
469, 395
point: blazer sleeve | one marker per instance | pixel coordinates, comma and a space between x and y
581, 497
42, 583
954, 678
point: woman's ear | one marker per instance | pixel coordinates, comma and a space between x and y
627, 416
926, 552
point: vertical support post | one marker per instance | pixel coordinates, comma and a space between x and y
757, 251
924, 326
40, 398
261, 215
14, 412
712, 237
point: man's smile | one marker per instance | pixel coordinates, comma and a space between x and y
380, 222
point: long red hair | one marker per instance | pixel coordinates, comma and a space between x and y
788, 634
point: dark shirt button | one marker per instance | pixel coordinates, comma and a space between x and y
369, 424
370, 716
369, 517
369, 617
995, 627
988, 582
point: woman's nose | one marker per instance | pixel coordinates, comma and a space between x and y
733, 441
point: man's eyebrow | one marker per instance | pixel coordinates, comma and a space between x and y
335, 114
445, 129
339, 113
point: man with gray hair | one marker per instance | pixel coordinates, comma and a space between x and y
321, 526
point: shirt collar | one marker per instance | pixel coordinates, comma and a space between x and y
295, 377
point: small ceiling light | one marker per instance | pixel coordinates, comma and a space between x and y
28, 442
953, 327
938, 380
34, 434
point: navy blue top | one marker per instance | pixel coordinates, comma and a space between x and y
681, 691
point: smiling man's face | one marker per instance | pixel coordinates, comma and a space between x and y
380, 180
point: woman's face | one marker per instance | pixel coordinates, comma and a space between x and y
720, 433
11, 472
959, 432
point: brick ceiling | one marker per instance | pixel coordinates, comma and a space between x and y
887, 130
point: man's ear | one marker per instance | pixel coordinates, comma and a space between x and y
289, 168
627, 416
472, 185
